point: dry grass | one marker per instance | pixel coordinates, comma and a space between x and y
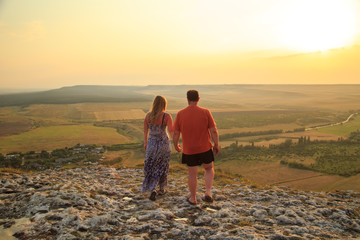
15, 127
128, 158
119, 115
316, 183
268, 173
285, 127
114, 161
87, 111
314, 135
357, 212
223, 178
244, 223
53, 111
343, 183
13, 123
178, 167
304, 160
11, 170
95, 107
113, 111
264, 172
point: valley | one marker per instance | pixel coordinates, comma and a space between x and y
247, 115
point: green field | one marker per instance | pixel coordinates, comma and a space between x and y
345, 129
251, 119
49, 138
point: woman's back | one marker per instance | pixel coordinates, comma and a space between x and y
158, 127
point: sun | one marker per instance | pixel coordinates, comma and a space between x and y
319, 25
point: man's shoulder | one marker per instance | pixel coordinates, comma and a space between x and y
203, 109
186, 109
193, 109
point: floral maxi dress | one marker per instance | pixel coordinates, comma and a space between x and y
157, 157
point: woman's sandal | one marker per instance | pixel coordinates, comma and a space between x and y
153, 196
162, 192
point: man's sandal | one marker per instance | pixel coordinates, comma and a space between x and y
208, 199
190, 202
153, 196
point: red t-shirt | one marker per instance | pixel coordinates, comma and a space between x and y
193, 123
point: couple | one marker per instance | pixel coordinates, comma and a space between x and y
196, 125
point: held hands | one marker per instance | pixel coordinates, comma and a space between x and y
178, 148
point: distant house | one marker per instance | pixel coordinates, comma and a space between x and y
63, 160
76, 150
12, 156
97, 150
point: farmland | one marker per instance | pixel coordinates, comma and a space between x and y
248, 115
48, 138
343, 129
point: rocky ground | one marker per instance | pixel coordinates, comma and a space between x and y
105, 203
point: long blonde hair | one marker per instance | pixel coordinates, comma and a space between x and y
158, 106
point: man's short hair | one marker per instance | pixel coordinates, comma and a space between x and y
192, 95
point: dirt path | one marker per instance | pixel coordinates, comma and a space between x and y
333, 124
295, 180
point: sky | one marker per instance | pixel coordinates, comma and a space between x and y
51, 44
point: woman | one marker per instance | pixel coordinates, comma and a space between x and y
157, 146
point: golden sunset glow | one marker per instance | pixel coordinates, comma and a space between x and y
55, 43
319, 25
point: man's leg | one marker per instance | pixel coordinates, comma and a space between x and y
192, 182
209, 177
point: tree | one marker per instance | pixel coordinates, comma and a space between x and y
286, 144
355, 136
44, 154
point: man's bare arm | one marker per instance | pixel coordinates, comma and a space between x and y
215, 137
176, 138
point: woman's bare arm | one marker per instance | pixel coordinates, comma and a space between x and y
146, 131
170, 125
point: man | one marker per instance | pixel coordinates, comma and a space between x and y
196, 125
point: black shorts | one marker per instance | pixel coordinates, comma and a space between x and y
198, 159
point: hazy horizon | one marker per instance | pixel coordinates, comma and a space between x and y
51, 44
28, 90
